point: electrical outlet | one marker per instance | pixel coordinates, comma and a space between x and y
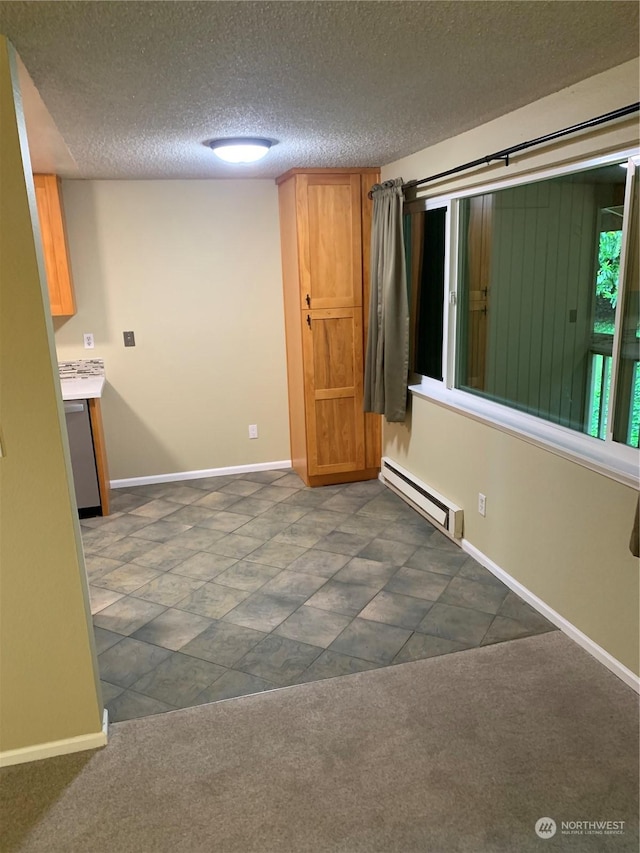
482, 503
253, 430
88, 340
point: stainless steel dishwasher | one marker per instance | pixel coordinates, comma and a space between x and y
83, 458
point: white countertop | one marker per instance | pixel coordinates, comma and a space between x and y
82, 389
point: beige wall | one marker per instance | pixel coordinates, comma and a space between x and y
48, 688
193, 268
556, 527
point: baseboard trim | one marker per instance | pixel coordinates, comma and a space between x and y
95, 740
600, 654
199, 475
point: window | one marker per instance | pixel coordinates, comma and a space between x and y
544, 320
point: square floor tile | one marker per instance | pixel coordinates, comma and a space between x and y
362, 525
421, 584
316, 627
249, 576
217, 501
345, 598
478, 596
110, 691
404, 611
168, 589
372, 641
122, 501
421, 646
275, 493
277, 554
172, 629
503, 628
435, 560
235, 545
126, 549
308, 498
300, 533
196, 538
181, 494
101, 598
367, 572
294, 583
343, 543
95, 540
285, 512
204, 566
332, 664
266, 478
127, 615
97, 566
228, 521
456, 623
325, 518
439, 540
408, 533
179, 679
242, 488
105, 639
130, 706
263, 528
249, 506
319, 563
193, 515
384, 550
513, 607
278, 660
345, 502
386, 506
127, 578
160, 531
233, 684
129, 660
213, 600
264, 611
165, 556
472, 570
223, 643
126, 524
158, 508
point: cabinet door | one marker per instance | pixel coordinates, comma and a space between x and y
330, 240
54, 245
332, 353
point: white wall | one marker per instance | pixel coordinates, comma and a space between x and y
193, 268
556, 527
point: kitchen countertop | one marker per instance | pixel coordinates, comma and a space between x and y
82, 389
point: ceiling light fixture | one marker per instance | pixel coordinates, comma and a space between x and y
240, 149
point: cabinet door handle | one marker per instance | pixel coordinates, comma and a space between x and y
309, 320
308, 300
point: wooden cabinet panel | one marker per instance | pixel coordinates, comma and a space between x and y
330, 228
332, 355
325, 221
54, 245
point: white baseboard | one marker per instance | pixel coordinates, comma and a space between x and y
600, 654
199, 475
57, 747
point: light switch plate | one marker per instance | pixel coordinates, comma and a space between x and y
129, 339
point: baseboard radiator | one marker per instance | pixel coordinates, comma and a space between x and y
440, 511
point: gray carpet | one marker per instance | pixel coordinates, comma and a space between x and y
463, 752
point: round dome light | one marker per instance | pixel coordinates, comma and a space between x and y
240, 149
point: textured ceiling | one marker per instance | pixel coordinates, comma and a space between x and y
136, 87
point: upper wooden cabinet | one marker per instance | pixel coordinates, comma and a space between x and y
325, 223
54, 245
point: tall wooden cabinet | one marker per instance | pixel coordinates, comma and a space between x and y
54, 245
325, 223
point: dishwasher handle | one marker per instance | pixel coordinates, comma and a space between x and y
73, 407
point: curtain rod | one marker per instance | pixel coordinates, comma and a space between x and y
506, 153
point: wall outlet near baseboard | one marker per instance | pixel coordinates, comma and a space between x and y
482, 504
253, 430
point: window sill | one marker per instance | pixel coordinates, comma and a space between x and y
616, 461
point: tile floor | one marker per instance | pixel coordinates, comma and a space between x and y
209, 589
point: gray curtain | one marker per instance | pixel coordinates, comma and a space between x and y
387, 359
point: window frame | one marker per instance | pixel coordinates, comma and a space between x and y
606, 456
